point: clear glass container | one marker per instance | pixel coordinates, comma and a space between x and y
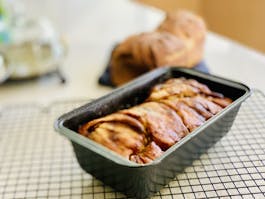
30, 46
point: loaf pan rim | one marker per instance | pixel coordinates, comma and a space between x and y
112, 156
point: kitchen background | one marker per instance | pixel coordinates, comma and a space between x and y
37, 162
241, 20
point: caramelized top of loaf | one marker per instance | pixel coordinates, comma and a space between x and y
177, 41
185, 25
142, 133
143, 52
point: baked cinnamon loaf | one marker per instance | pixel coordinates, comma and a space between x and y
178, 41
172, 110
189, 28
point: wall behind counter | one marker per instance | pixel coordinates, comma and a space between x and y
241, 20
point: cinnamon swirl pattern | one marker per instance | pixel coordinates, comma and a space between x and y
172, 110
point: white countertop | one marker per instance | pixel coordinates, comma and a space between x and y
91, 28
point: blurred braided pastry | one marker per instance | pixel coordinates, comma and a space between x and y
143, 52
191, 29
178, 41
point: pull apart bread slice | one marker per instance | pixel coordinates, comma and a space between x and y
163, 125
118, 132
143, 132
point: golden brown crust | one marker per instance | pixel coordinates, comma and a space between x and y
115, 117
184, 25
143, 52
162, 123
173, 109
191, 102
151, 152
189, 27
118, 137
178, 41
179, 87
191, 118
223, 102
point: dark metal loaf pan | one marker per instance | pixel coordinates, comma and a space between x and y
141, 181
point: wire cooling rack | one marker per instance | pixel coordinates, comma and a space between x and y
36, 162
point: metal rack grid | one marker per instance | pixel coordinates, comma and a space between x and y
36, 162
